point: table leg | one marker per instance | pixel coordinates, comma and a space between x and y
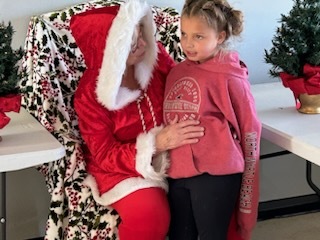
3, 206
313, 186
309, 178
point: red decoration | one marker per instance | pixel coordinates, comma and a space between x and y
308, 83
8, 103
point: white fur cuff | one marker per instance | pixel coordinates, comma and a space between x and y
146, 164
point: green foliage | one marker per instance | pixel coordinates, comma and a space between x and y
8, 61
297, 40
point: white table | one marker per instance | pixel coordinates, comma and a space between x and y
25, 143
284, 126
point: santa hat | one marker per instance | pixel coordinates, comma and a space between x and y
104, 36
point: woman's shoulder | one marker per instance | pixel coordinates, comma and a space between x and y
165, 62
86, 86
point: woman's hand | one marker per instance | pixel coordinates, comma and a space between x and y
177, 134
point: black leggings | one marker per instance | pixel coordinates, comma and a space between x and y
202, 206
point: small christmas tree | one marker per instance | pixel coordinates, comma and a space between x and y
8, 61
297, 41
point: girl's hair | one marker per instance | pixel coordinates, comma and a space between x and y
217, 13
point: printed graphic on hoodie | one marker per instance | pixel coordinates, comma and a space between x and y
183, 99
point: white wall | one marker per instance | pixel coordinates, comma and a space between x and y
280, 177
260, 23
261, 18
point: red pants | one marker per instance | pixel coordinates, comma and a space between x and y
144, 214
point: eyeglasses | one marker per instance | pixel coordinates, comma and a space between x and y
137, 35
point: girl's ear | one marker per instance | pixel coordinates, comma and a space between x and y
222, 37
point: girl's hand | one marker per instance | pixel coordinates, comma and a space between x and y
177, 134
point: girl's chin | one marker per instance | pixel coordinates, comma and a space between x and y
192, 58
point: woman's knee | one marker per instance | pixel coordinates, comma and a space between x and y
146, 210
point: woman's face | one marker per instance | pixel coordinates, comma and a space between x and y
199, 41
138, 47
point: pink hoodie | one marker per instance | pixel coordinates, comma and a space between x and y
217, 92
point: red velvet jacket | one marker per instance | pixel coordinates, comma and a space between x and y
118, 125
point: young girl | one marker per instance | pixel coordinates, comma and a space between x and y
218, 176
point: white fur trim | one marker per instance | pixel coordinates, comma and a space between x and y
118, 46
153, 169
122, 189
148, 166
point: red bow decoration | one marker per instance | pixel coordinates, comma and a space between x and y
8, 103
308, 83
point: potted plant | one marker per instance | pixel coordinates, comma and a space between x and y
295, 54
9, 77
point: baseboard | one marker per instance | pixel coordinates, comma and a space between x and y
288, 206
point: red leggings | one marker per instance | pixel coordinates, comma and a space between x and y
144, 214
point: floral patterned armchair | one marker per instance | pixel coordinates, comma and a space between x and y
52, 67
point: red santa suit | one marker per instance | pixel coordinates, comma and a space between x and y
118, 125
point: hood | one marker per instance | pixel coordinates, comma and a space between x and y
104, 36
224, 62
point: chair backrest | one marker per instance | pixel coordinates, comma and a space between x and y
52, 67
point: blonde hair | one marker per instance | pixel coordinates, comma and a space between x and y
217, 13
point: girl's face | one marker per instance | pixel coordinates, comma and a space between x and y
138, 47
199, 41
